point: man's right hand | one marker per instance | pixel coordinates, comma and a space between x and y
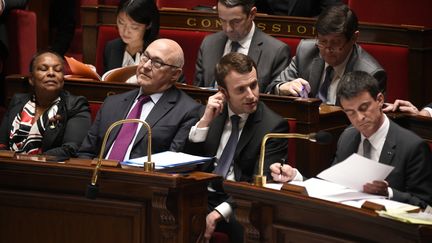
294, 88
214, 107
211, 221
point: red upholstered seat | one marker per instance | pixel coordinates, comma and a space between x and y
292, 43
417, 12
190, 41
109, 2
21, 28
394, 60
105, 34
189, 4
94, 108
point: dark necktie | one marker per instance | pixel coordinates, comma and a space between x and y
322, 95
227, 155
235, 46
367, 148
127, 131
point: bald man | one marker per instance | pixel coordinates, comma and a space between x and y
169, 111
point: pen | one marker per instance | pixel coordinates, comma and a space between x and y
282, 162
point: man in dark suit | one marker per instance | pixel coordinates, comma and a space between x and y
239, 34
235, 109
373, 135
319, 64
169, 111
301, 8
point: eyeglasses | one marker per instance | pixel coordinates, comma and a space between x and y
331, 47
155, 63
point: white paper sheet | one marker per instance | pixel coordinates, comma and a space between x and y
167, 159
356, 171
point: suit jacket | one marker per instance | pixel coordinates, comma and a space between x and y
246, 156
411, 178
270, 55
170, 120
308, 65
63, 140
113, 54
302, 8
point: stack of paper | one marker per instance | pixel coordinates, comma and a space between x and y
168, 159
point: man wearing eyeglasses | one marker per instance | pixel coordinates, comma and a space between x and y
319, 64
169, 111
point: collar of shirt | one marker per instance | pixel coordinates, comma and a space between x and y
377, 139
128, 60
154, 97
242, 122
244, 43
339, 70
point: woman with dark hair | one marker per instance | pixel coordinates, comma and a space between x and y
138, 26
49, 120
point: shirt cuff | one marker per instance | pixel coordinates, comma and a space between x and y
298, 176
198, 135
390, 192
225, 210
429, 110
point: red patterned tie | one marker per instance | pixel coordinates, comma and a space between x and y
127, 131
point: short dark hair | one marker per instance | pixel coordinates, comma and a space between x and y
233, 61
43, 52
337, 19
143, 12
247, 5
353, 83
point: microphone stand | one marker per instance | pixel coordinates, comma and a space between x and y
260, 179
92, 188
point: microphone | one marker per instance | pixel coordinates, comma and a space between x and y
321, 137
92, 188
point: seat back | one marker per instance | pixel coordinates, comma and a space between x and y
94, 108
190, 41
415, 12
105, 34
394, 60
292, 43
21, 29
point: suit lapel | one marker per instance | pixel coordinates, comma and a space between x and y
317, 68
161, 108
389, 148
219, 47
255, 48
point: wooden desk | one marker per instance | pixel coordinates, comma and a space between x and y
277, 216
417, 39
45, 202
310, 117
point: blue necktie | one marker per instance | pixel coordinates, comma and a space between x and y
127, 131
227, 155
322, 94
235, 46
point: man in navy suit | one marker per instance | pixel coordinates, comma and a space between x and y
239, 34
238, 97
411, 179
169, 111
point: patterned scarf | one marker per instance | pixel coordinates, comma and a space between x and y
26, 133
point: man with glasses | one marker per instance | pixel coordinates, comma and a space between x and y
319, 64
169, 111
239, 34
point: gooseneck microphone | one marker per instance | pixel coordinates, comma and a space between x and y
92, 188
321, 137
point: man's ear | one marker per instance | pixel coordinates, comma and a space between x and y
224, 91
253, 12
176, 75
355, 36
380, 99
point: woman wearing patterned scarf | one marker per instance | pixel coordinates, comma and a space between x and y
49, 120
